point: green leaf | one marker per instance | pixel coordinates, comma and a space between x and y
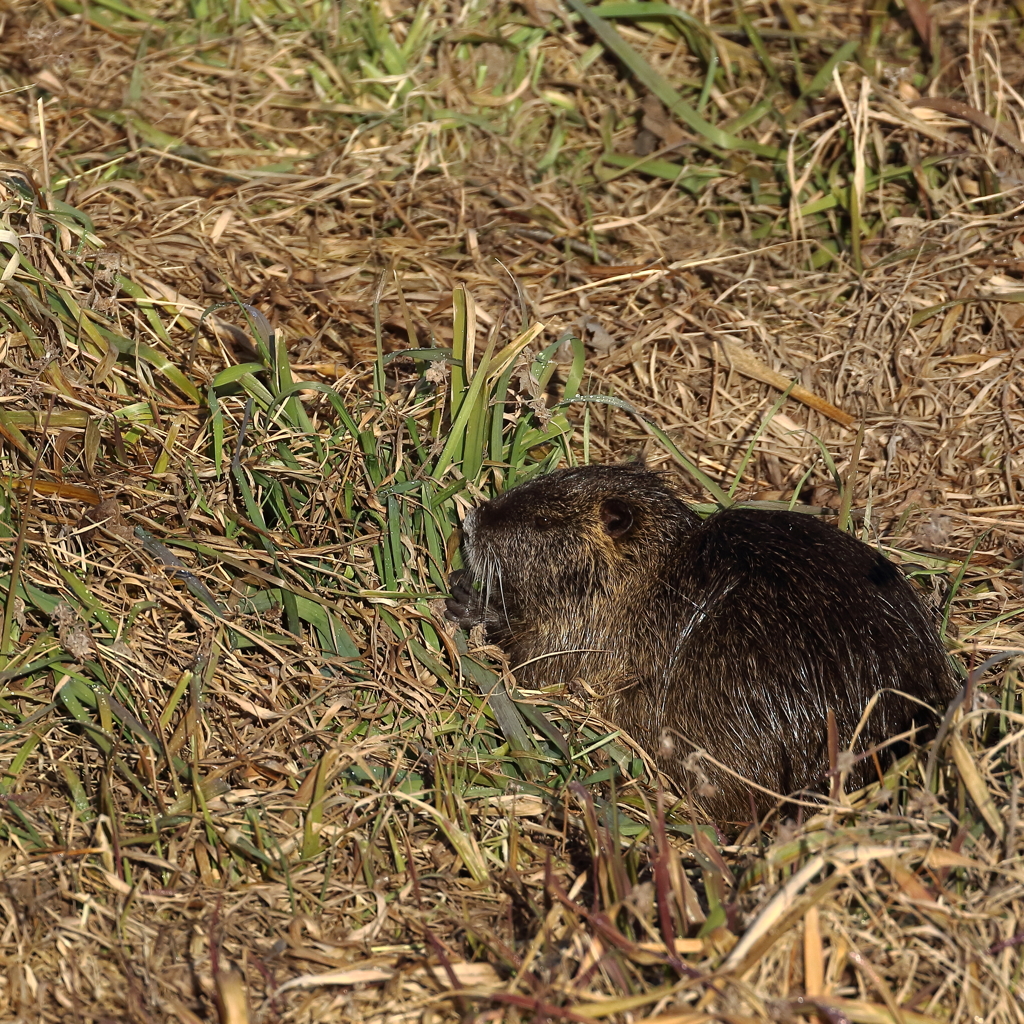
155, 359
233, 374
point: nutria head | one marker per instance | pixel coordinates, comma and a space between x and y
585, 535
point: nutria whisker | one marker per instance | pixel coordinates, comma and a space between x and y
491, 572
496, 568
488, 584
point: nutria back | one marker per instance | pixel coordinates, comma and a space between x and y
736, 635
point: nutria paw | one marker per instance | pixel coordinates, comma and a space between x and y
464, 606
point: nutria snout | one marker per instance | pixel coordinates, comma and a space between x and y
736, 635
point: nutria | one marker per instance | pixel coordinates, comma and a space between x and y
735, 635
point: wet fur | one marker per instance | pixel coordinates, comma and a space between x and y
735, 635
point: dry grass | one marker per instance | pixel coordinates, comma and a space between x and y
248, 771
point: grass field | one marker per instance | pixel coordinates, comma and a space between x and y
285, 288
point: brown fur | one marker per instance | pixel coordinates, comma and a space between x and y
735, 635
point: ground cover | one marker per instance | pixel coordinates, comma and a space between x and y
287, 287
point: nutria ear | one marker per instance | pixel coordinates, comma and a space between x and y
617, 517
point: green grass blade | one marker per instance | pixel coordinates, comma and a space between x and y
714, 138
762, 426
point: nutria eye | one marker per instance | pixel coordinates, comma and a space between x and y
543, 522
617, 517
